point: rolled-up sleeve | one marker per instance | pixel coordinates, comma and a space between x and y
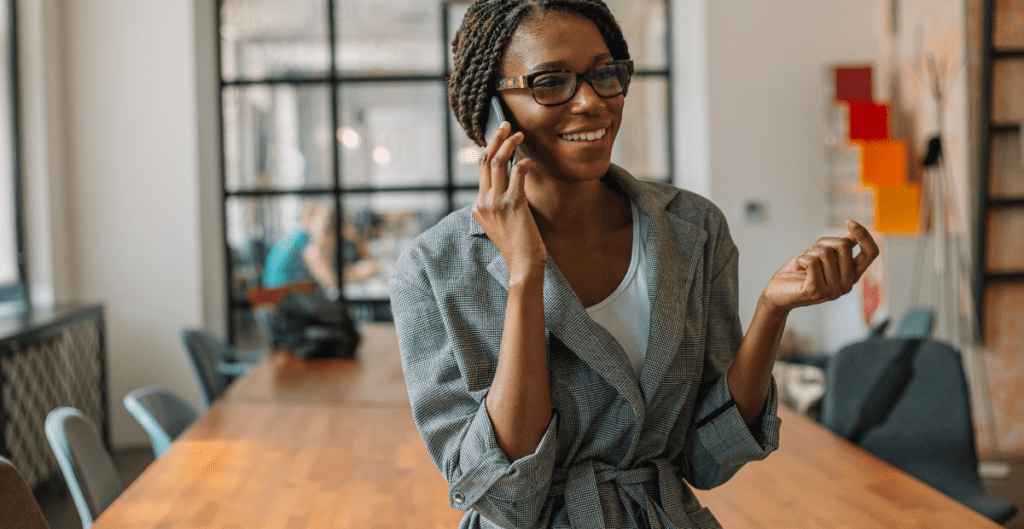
720, 442
453, 420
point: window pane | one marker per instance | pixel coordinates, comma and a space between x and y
268, 237
277, 137
465, 155
644, 25
273, 38
378, 227
456, 12
641, 146
8, 222
392, 134
462, 199
389, 36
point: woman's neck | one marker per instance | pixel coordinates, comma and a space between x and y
584, 210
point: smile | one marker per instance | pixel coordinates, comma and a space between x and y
585, 136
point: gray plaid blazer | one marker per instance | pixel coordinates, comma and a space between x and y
619, 452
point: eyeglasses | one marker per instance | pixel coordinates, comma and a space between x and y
556, 87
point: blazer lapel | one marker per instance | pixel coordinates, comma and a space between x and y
674, 253
566, 318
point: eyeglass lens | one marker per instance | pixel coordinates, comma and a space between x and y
559, 87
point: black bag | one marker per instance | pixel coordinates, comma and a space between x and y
313, 327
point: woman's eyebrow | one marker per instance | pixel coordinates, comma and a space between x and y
564, 65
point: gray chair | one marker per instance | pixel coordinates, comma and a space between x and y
906, 401
87, 466
17, 505
917, 322
215, 363
161, 413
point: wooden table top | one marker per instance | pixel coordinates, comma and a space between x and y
332, 444
373, 378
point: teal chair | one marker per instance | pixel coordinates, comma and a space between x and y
161, 413
215, 363
17, 505
87, 466
917, 322
906, 401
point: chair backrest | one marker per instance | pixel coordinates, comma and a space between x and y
87, 466
17, 505
205, 351
916, 323
927, 432
161, 413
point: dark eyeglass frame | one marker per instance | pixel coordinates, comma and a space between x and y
526, 81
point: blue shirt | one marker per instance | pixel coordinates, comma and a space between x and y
284, 261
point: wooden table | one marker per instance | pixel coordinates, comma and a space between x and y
332, 444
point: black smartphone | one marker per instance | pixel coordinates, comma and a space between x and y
494, 118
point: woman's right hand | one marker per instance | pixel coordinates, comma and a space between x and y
502, 208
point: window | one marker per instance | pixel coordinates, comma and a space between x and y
12, 259
334, 114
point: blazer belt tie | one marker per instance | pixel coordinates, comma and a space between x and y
579, 485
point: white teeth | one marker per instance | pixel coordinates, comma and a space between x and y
585, 136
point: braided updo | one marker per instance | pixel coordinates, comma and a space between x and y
480, 45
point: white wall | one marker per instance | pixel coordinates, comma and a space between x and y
766, 93
121, 184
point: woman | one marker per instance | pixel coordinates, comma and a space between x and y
571, 343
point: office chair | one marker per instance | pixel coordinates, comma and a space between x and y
214, 362
916, 323
87, 466
17, 503
906, 401
161, 413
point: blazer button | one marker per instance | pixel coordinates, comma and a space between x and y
459, 498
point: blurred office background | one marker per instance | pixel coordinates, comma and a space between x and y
167, 146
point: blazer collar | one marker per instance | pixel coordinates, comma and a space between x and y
674, 249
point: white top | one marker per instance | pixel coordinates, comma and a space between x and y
626, 313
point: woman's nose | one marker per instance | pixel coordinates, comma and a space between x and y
586, 99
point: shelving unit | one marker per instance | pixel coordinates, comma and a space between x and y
1000, 207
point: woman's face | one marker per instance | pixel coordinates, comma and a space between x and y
562, 41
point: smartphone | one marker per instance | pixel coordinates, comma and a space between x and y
494, 118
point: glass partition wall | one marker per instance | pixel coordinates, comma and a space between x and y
338, 142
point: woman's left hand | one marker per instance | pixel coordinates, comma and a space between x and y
823, 272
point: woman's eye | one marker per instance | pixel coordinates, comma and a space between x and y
604, 73
550, 81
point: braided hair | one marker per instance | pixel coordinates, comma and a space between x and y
480, 43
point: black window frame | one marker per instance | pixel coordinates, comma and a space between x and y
334, 80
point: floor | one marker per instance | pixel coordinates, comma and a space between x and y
56, 501
61, 514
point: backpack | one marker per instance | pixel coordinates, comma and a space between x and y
311, 326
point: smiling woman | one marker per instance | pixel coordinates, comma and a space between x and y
571, 342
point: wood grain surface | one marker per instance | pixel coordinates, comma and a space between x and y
265, 465
374, 377
819, 480
332, 444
